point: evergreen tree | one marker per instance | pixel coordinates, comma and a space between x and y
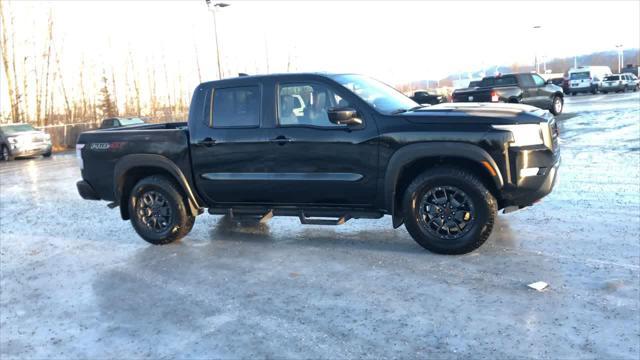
107, 104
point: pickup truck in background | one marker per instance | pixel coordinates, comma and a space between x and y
524, 88
358, 149
428, 97
17, 140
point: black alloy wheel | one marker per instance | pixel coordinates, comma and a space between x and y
446, 212
154, 211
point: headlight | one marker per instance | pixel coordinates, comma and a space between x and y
523, 134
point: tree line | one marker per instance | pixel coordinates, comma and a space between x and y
41, 93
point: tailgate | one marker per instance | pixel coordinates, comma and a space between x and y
472, 96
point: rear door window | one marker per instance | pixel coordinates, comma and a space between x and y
235, 107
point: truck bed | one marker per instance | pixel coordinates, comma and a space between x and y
102, 149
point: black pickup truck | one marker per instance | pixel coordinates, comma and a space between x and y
524, 88
357, 149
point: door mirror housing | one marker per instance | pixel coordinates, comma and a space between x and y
549, 82
344, 116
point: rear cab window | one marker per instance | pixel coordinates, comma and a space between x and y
499, 81
233, 107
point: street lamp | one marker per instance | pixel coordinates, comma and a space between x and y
215, 30
620, 57
536, 50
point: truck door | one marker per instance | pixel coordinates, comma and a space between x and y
529, 90
227, 143
543, 97
314, 161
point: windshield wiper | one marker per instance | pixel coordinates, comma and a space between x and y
398, 111
416, 107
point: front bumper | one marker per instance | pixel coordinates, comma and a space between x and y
29, 149
86, 191
524, 188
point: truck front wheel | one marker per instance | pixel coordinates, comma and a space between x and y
449, 211
158, 211
557, 103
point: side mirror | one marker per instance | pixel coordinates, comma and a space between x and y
549, 82
344, 116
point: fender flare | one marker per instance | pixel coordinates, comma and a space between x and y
410, 153
132, 161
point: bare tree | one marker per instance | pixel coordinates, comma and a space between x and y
67, 106
47, 71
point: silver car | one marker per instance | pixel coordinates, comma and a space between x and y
18, 140
618, 83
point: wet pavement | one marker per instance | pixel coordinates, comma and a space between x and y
77, 282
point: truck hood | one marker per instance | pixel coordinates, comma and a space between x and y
494, 113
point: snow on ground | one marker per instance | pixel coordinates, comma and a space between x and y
77, 282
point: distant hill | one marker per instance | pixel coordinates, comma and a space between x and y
557, 65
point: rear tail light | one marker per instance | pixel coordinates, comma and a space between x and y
79, 148
494, 96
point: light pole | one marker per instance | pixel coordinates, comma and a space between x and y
215, 30
620, 57
536, 49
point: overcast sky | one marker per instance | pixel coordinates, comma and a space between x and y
394, 41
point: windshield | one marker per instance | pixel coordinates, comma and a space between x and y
15, 129
381, 96
132, 121
579, 75
610, 78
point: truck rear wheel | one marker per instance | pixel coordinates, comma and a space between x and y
158, 211
449, 211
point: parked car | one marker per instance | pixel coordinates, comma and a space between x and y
619, 83
561, 82
429, 97
633, 82
630, 69
587, 78
524, 88
115, 122
361, 149
18, 140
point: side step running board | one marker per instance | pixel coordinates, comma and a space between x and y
311, 221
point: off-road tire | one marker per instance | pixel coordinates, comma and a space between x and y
553, 105
485, 208
181, 221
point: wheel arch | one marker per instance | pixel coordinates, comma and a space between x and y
411, 160
131, 168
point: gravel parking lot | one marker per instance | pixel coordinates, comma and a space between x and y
77, 282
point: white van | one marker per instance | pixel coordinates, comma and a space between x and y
587, 78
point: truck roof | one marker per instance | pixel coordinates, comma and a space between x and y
263, 76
